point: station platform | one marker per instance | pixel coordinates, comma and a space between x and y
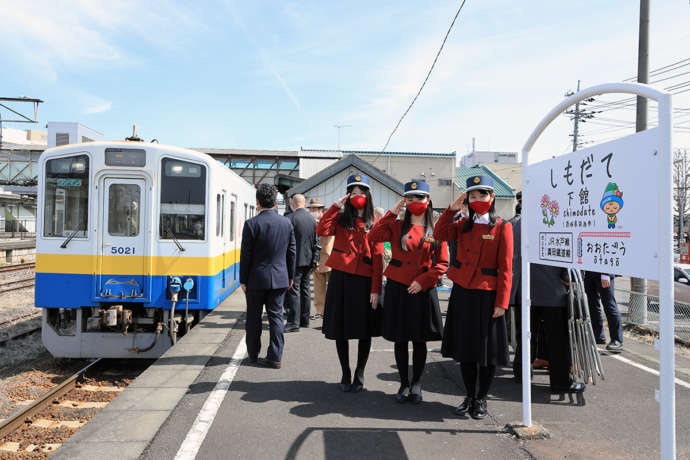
200, 400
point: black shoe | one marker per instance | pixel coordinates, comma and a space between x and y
415, 393
292, 329
403, 394
357, 385
345, 383
614, 346
304, 325
575, 387
478, 409
272, 364
252, 359
465, 407
601, 341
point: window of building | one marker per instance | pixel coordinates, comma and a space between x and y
445, 182
61, 139
183, 200
66, 203
124, 201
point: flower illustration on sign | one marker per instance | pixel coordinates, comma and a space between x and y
549, 209
611, 203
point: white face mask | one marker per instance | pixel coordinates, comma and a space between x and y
315, 214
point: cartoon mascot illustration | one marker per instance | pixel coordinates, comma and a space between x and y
611, 203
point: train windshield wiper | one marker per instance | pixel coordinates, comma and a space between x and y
172, 235
69, 238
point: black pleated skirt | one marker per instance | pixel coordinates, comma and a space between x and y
471, 334
410, 317
348, 313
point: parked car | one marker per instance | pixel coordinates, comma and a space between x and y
681, 291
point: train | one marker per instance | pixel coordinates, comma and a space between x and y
135, 243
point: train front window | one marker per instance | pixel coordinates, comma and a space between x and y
124, 201
183, 200
66, 202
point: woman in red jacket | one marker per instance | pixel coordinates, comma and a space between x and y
353, 290
411, 311
475, 332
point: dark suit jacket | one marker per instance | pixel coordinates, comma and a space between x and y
267, 259
546, 288
308, 246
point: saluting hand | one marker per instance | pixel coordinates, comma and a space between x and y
414, 288
341, 202
457, 204
374, 299
498, 312
398, 207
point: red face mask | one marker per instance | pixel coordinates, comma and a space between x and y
480, 207
417, 207
358, 201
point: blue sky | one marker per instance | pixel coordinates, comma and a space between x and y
279, 75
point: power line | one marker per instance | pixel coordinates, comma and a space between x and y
425, 79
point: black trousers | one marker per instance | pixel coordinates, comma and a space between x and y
298, 299
273, 300
555, 347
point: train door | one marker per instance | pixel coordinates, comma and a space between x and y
223, 236
233, 236
122, 270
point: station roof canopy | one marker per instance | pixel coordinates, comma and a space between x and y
350, 160
376, 152
501, 187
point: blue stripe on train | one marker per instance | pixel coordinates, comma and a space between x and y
60, 290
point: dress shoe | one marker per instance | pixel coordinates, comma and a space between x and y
415, 393
252, 359
272, 364
601, 341
357, 385
292, 329
575, 387
479, 409
465, 407
403, 394
614, 346
345, 383
304, 325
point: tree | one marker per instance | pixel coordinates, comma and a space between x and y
681, 171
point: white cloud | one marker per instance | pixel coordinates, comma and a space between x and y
98, 108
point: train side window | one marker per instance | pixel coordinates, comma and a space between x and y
218, 214
222, 212
124, 201
232, 221
183, 200
246, 211
66, 204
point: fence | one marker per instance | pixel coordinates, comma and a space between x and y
633, 307
18, 228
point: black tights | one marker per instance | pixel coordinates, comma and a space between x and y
418, 361
469, 376
344, 356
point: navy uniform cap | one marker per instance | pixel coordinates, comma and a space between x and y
480, 183
358, 179
416, 187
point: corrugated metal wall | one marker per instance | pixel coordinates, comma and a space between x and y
334, 188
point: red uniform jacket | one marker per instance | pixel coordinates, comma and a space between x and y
484, 258
415, 264
353, 252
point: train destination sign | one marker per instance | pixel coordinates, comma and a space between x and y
597, 208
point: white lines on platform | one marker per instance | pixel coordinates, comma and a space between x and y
195, 437
648, 369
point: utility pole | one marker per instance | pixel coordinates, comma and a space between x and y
579, 115
577, 119
339, 127
638, 300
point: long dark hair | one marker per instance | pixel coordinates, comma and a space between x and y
347, 218
428, 227
467, 227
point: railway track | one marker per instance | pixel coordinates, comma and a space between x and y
14, 285
17, 267
47, 422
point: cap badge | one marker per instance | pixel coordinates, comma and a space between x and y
358, 178
413, 186
476, 180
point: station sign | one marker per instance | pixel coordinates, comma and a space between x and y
597, 208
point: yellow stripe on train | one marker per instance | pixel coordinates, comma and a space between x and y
134, 265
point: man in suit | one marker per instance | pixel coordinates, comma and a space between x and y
600, 286
307, 243
548, 296
267, 269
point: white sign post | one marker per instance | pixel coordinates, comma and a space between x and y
608, 209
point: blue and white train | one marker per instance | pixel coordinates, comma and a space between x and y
128, 232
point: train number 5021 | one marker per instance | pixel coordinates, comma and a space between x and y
122, 250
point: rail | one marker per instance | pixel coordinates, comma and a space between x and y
17, 267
